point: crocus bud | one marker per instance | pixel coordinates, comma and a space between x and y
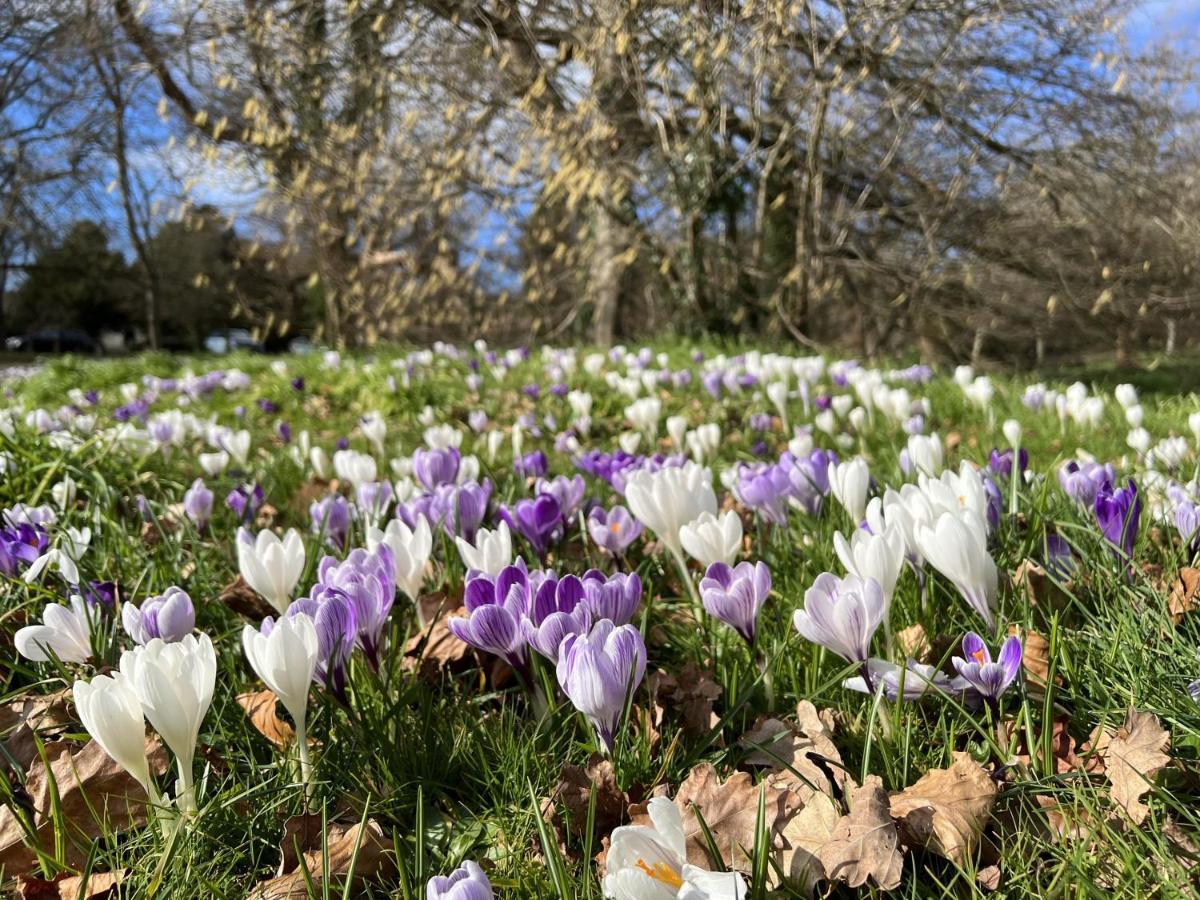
170, 616
271, 566
735, 595
109, 709
1012, 432
197, 504
467, 882
598, 670
709, 539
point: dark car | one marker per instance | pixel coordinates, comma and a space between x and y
54, 340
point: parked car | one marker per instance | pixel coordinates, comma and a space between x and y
54, 340
231, 340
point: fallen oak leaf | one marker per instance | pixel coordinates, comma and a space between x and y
260, 709
804, 835
730, 812
945, 810
803, 755
864, 844
566, 809
95, 797
691, 695
245, 601
1185, 594
65, 886
359, 852
1132, 756
28, 714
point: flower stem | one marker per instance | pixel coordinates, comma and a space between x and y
305, 761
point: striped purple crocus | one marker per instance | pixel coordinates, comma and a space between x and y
598, 671
496, 606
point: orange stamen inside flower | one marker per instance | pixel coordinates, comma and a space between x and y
615, 527
662, 872
978, 656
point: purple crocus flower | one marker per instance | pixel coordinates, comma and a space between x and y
298, 384
197, 504
713, 382
977, 671
765, 488
613, 530
736, 594
558, 609
337, 629
267, 406
478, 420
101, 594
1118, 512
20, 545
1060, 562
1000, 461
284, 431
170, 616
1082, 481
245, 501
532, 465
598, 671
614, 597
995, 500
374, 498
495, 608
539, 521
842, 614
567, 491
367, 579
460, 508
467, 882
331, 517
1187, 521
433, 468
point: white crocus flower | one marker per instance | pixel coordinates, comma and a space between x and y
285, 659
374, 428
213, 464
65, 632
1126, 395
644, 414
354, 467
271, 566
72, 544
110, 710
879, 555
925, 454
629, 441
237, 444
490, 553
677, 428
704, 441
709, 539
849, 482
649, 862
411, 548
442, 437
666, 500
956, 546
64, 492
174, 682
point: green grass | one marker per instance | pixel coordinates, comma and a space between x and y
451, 770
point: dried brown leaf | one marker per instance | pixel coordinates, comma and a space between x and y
96, 797
802, 753
260, 708
730, 810
97, 886
689, 696
946, 810
864, 845
1132, 756
366, 846
20, 719
573, 795
434, 651
804, 835
245, 601
1185, 594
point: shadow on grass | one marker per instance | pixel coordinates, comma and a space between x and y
1178, 374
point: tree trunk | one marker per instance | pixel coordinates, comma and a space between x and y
604, 285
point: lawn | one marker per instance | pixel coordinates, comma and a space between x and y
1078, 778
